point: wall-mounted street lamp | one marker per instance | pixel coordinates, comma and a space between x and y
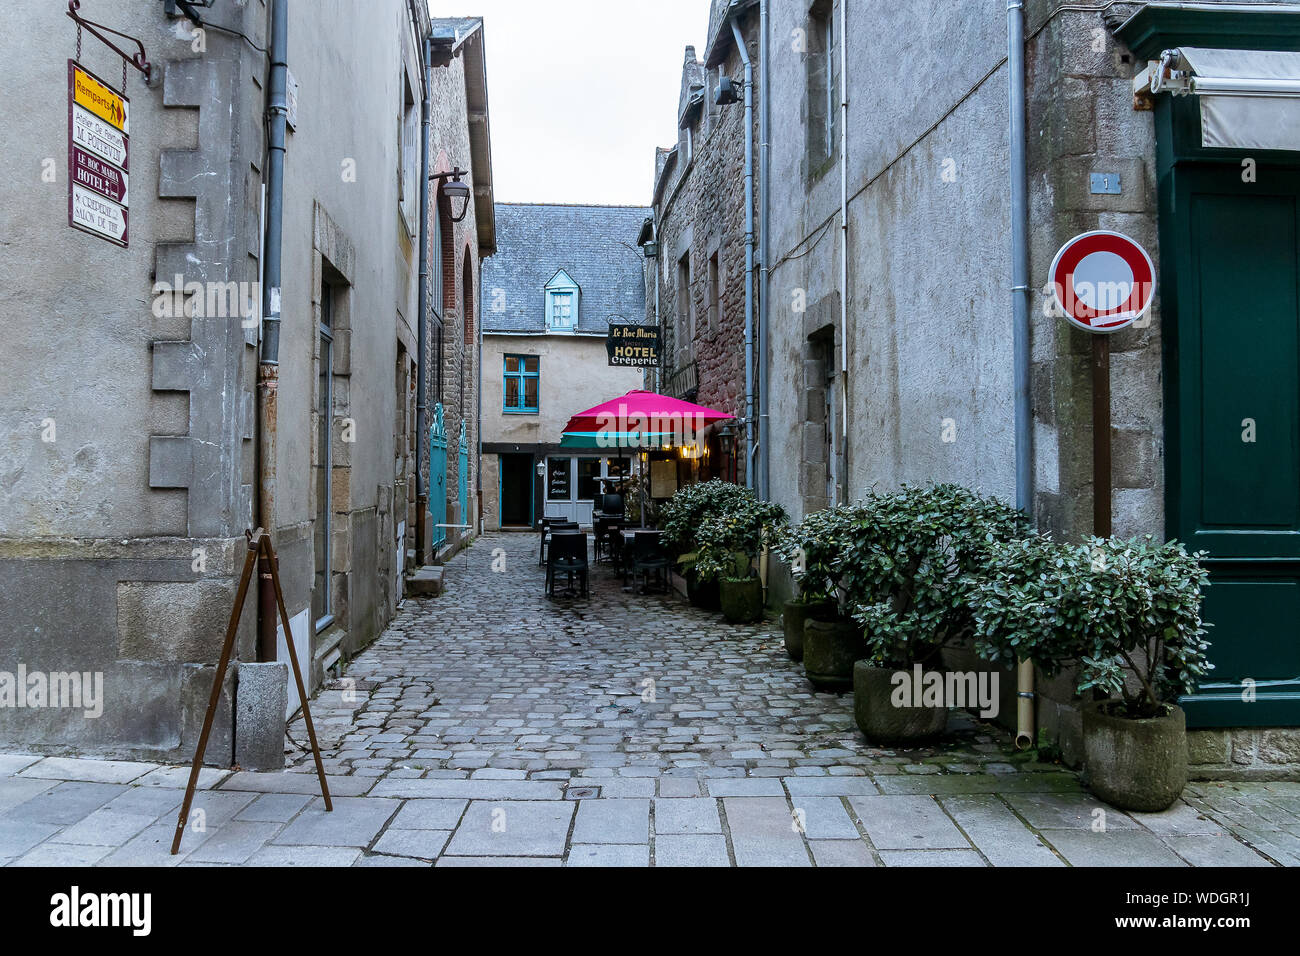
455, 191
728, 91
727, 445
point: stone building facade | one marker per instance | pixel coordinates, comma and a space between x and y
561, 276
129, 433
697, 278
459, 139
891, 302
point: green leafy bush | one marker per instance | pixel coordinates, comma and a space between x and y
682, 516
728, 541
914, 559
815, 550
1127, 613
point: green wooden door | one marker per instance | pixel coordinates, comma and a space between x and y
1233, 455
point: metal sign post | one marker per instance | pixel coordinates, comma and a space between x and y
1102, 282
259, 544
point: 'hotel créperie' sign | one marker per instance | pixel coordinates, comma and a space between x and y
634, 346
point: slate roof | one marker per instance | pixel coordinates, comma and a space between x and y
595, 245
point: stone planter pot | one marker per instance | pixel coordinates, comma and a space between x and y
703, 594
793, 616
741, 600
830, 648
1134, 764
880, 720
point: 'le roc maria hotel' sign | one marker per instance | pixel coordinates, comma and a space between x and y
635, 346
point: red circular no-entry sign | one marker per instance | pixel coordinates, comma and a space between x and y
1102, 281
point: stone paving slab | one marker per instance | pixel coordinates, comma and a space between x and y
616, 821
513, 829
610, 854
997, 832
92, 771
763, 832
693, 850
907, 822
1111, 848
354, 821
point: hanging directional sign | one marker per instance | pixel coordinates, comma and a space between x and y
99, 176
1103, 281
99, 146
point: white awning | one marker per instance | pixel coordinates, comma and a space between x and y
1250, 99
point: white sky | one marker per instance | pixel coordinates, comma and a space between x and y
581, 92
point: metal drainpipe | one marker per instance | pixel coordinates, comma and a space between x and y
844, 249
478, 424
749, 249
421, 337
268, 369
764, 210
1016, 76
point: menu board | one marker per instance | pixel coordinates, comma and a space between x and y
663, 479
557, 479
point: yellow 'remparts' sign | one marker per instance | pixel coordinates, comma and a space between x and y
88, 92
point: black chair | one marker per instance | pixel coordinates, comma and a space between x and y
568, 556
607, 528
549, 525
647, 555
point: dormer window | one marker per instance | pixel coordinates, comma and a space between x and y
562, 303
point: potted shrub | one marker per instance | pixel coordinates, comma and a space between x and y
818, 627
1127, 615
681, 518
727, 543
913, 569
811, 549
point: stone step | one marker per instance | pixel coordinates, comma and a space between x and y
425, 582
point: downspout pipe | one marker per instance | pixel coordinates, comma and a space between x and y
268, 367
1016, 78
764, 258
844, 249
749, 248
422, 333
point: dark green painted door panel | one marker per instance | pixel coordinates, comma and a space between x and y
1234, 446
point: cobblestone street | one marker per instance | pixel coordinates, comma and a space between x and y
490, 726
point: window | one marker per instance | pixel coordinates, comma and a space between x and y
588, 475
821, 80
715, 295
408, 139
521, 383
322, 606
685, 309
562, 295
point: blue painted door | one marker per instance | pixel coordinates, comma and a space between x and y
462, 477
438, 475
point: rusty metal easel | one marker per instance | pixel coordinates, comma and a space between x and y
259, 543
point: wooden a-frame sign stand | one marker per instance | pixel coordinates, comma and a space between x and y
259, 544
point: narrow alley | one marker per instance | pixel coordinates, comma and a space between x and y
490, 726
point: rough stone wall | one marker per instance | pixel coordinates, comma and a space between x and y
701, 215
449, 147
